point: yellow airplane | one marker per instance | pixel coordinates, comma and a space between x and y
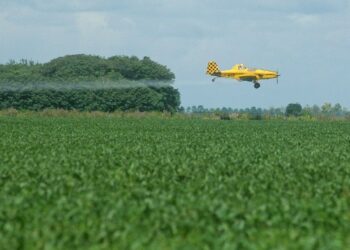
241, 73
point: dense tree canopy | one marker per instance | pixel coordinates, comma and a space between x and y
95, 83
78, 68
107, 100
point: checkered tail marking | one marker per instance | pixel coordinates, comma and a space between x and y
212, 68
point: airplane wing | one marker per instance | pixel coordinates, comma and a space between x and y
248, 77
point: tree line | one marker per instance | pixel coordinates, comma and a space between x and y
95, 83
106, 100
291, 110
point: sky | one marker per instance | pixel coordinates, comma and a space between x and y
307, 41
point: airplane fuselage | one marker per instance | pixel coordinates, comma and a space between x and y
249, 74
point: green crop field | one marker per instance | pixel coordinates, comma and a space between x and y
151, 183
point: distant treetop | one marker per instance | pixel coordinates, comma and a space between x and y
78, 68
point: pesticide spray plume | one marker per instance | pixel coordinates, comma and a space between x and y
87, 85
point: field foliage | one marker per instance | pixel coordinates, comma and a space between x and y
151, 183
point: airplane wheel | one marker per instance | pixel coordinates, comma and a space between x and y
256, 85
213, 80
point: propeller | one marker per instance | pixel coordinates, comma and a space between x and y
278, 75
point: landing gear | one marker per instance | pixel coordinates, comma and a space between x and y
213, 80
256, 85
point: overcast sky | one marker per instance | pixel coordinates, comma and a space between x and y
308, 41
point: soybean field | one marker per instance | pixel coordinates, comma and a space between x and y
153, 183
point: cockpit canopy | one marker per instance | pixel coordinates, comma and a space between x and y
240, 67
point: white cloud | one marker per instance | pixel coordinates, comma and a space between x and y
90, 22
299, 6
304, 19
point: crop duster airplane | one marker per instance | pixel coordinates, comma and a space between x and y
241, 73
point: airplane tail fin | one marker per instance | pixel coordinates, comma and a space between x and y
212, 68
